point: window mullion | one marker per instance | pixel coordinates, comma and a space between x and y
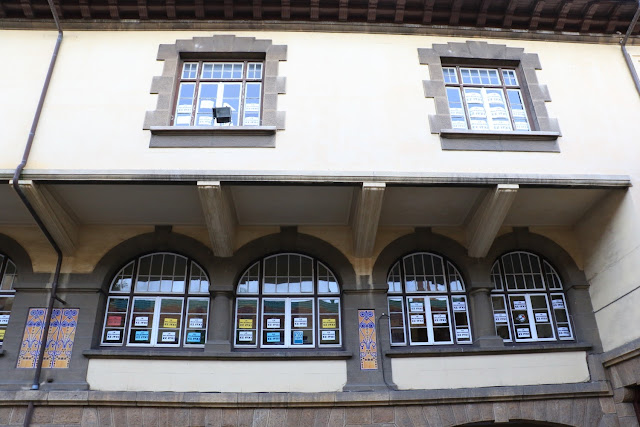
287, 322
531, 315
156, 322
428, 320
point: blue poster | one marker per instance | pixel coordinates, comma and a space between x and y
194, 337
298, 337
142, 335
273, 336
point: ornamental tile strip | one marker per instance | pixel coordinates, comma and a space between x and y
367, 334
62, 331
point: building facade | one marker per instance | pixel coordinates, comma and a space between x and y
336, 213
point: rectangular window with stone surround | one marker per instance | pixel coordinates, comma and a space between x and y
205, 85
485, 99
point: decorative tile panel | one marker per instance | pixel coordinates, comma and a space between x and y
367, 334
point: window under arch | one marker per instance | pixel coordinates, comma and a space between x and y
528, 299
157, 300
8, 277
288, 301
427, 302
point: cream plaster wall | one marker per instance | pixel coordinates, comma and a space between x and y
374, 116
216, 376
449, 372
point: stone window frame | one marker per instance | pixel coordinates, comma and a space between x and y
545, 130
9, 293
217, 47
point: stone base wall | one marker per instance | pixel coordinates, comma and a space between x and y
592, 412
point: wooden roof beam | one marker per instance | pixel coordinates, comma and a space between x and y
508, 14
85, 10
143, 12
399, 16
428, 11
455, 12
257, 9
26, 8
482, 14
588, 17
343, 10
562, 16
286, 9
372, 10
228, 9
314, 10
535, 15
615, 15
199, 9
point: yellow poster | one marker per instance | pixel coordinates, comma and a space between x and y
170, 322
245, 323
2, 334
328, 323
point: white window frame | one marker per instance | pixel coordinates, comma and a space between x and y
122, 329
337, 330
155, 327
532, 322
254, 329
288, 321
187, 320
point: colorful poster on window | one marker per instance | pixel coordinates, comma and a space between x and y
170, 322
194, 337
245, 323
59, 344
142, 336
298, 337
2, 334
114, 320
367, 335
273, 336
328, 323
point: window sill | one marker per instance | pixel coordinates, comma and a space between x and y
473, 140
158, 354
213, 136
460, 350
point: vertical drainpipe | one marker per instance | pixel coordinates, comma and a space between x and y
627, 57
15, 182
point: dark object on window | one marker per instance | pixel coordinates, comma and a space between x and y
222, 114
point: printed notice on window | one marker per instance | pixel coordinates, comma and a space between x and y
170, 322
328, 323
500, 317
168, 336
299, 322
494, 98
519, 305
416, 306
273, 323
273, 336
205, 121
522, 126
113, 335
557, 303
328, 335
417, 319
184, 109
2, 334
462, 334
542, 317
499, 113
251, 121
459, 306
142, 336
252, 107
456, 111
141, 321
518, 113
563, 331
298, 337
111, 321
194, 337
523, 332
477, 112
245, 336
195, 323
439, 318
4, 319
183, 120
473, 98
245, 323
479, 125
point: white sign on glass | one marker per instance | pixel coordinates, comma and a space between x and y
416, 306
251, 121
183, 109
195, 323
479, 125
473, 98
518, 113
563, 331
477, 112
495, 98
299, 322
417, 319
542, 317
519, 305
557, 303
141, 321
502, 125
439, 318
500, 317
523, 333
522, 126
328, 335
252, 107
458, 124
456, 111
245, 336
4, 319
168, 336
273, 323
462, 333
205, 120
206, 104
113, 335
183, 120
499, 113
459, 306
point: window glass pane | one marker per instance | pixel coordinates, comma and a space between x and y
450, 75
461, 319
254, 71
394, 280
170, 321
302, 322
207, 99
417, 311
246, 321
440, 319
496, 278
501, 317
123, 280
189, 70
510, 78
196, 322
273, 322
456, 108
252, 98
553, 280
198, 282
396, 321
184, 106
520, 317
542, 316
476, 109
329, 310
563, 326
455, 280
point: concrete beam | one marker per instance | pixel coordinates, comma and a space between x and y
59, 219
220, 216
366, 217
488, 218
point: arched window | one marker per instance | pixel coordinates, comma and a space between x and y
288, 300
528, 299
158, 300
427, 302
8, 277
